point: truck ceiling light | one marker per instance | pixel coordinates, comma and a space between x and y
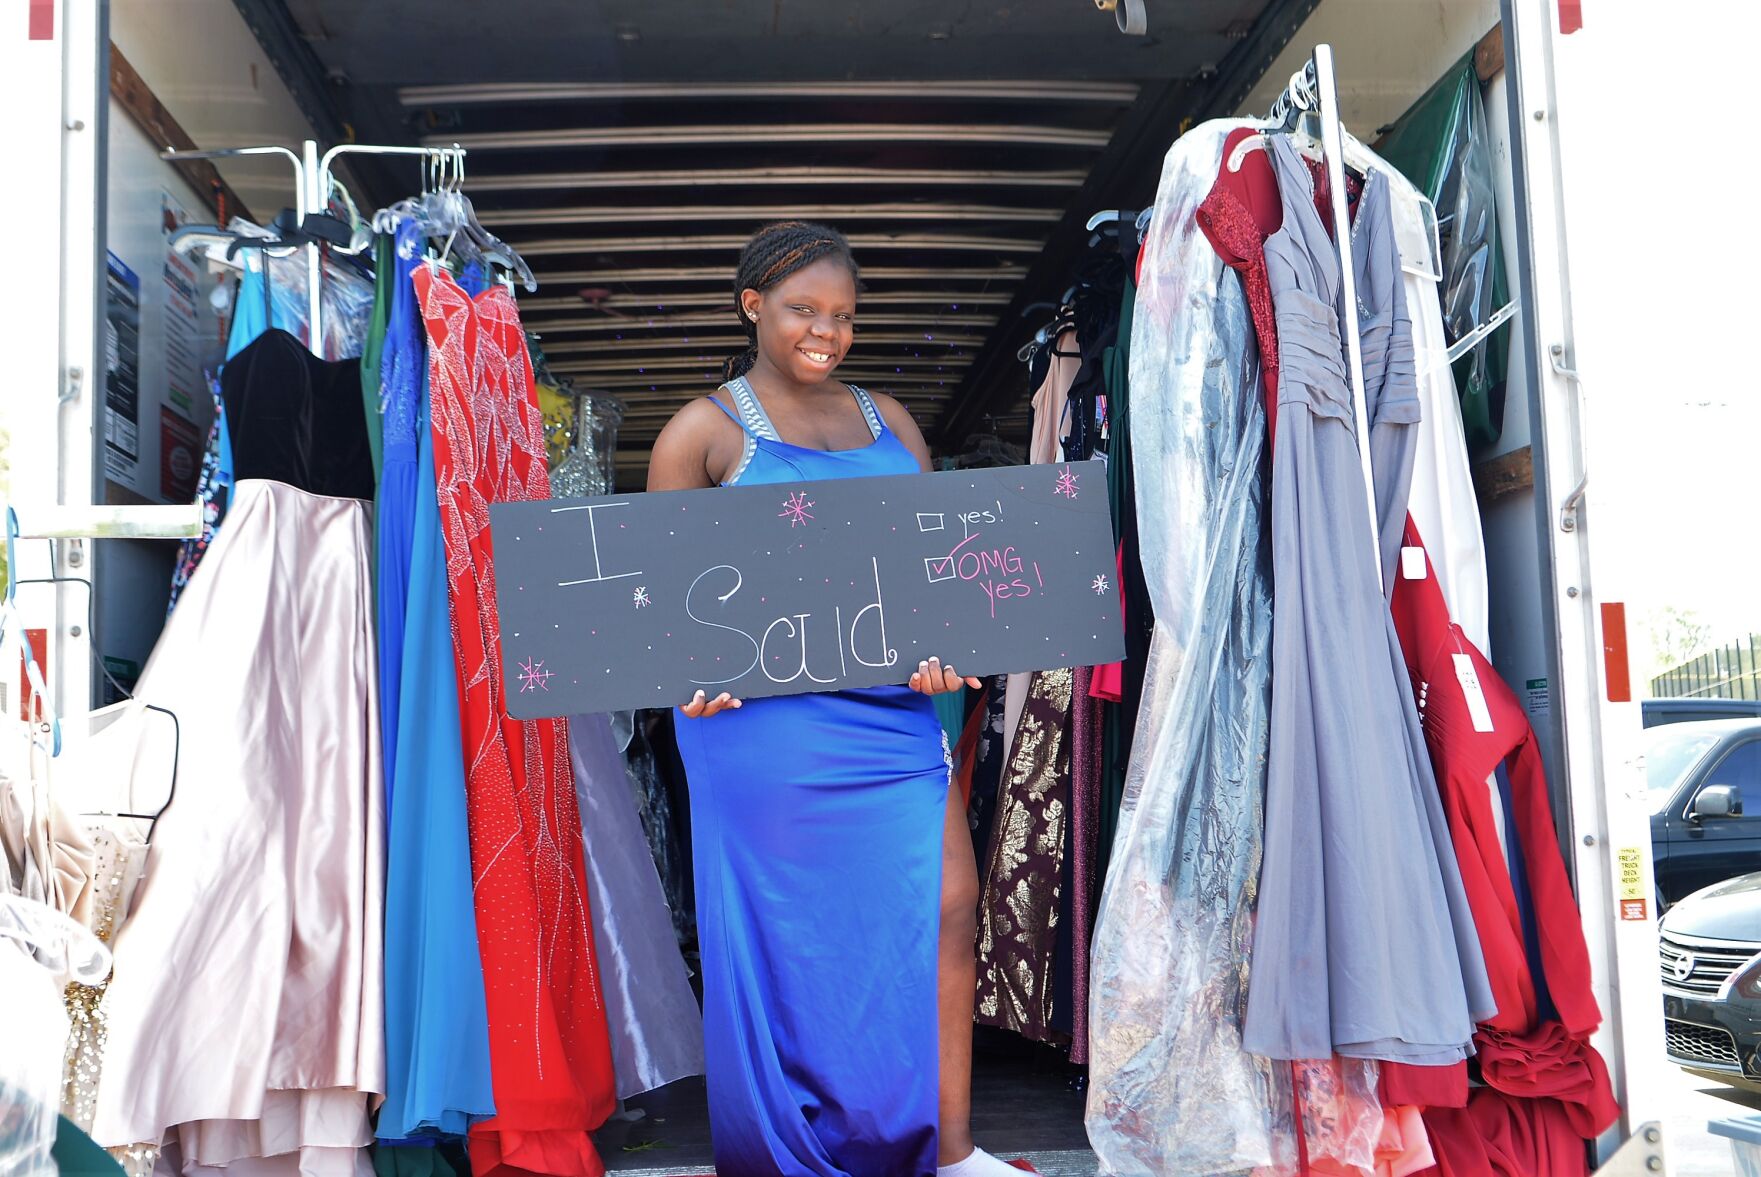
1130, 15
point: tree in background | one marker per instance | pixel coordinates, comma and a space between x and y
1677, 635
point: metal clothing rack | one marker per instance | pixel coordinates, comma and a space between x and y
1315, 89
312, 180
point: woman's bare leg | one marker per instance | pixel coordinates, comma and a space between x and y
957, 980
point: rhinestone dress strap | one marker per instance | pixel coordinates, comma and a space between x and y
751, 412
869, 412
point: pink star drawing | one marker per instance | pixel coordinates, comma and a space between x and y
533, 676
795, 509
1066, 483
1100, 585
640, 597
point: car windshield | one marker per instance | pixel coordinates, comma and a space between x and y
1668, 759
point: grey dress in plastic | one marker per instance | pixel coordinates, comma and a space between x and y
1358, 949
1171, 1088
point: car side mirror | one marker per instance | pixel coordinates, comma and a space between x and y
1717, 801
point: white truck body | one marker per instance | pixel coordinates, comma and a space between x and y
1551, 579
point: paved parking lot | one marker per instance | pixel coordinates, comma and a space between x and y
1692, 1102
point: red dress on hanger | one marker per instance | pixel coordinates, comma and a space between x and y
550, 1054
1547, 1090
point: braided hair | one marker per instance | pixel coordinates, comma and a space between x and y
773, 253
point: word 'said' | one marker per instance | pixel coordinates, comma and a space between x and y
643, 600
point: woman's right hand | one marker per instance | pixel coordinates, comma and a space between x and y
700, 708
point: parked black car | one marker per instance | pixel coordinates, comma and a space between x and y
1710, 950
1703, 782
1657, 712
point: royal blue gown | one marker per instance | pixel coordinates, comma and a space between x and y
400, 387
436, 1014
817, 837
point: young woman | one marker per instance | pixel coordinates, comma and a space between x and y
836, 888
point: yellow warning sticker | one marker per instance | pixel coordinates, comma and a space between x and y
1630, 872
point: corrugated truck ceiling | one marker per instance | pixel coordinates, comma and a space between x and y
628, 147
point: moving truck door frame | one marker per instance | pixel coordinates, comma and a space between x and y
54, 83
1600, 799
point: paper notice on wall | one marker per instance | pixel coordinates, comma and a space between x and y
184, 386
180, 456
1536, 698
1631, 887
122, 371
1630, 872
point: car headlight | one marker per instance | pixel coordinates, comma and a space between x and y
1746, 981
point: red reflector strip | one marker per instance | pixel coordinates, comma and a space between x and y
42, 20
1614, 653
39, 650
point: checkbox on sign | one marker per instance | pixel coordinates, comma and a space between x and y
939, 568
929, 522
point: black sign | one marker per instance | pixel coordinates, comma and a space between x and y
643, 600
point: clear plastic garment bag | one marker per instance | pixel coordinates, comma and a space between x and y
1171, 1089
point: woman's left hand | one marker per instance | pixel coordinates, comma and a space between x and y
932, 678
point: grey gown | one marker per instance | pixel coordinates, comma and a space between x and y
1363, 944
656, 1029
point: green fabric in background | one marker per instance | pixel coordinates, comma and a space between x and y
420, 1159
951, 711
1441, 144
373, 349
77, 1156
1119, 720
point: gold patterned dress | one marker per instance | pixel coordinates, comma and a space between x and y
1023, 872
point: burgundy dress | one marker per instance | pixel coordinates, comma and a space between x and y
1547, 1091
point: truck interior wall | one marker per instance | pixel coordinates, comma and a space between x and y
142, 190
202, 62
1388, 53
205, 65
1519, 587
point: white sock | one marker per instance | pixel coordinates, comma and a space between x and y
979, 1164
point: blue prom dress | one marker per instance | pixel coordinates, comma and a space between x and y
436, 1015
817, 838
402, 363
